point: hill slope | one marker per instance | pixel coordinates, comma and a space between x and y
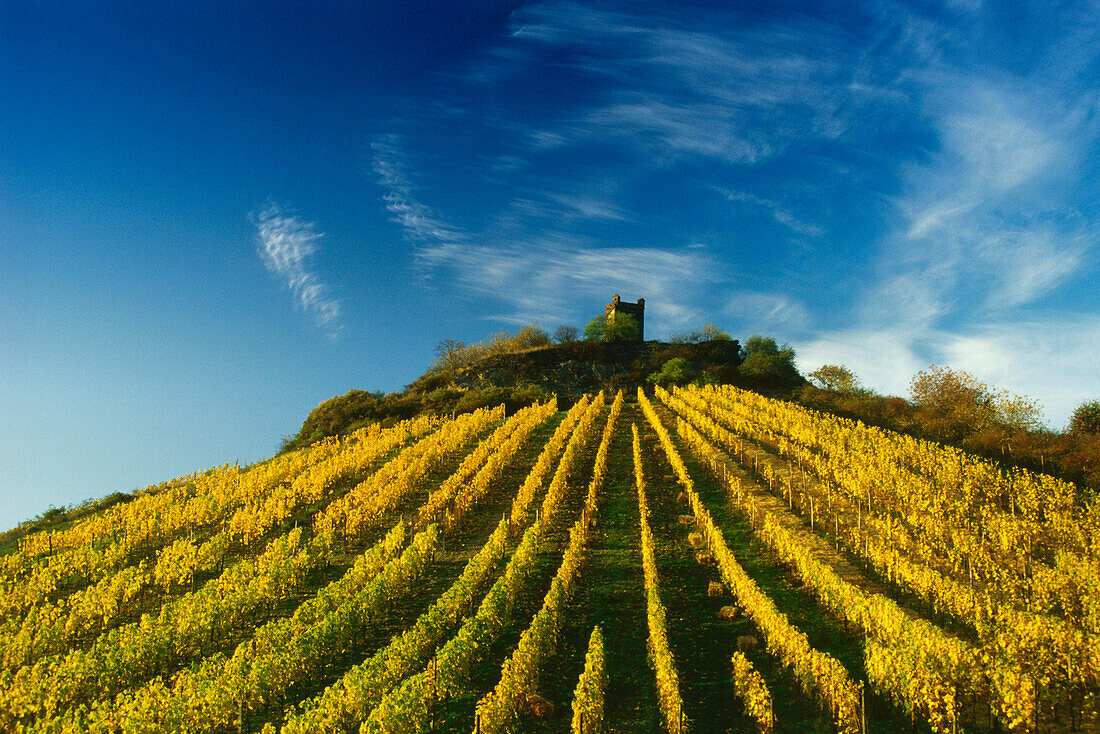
444, 574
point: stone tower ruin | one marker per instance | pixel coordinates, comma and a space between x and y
637, 310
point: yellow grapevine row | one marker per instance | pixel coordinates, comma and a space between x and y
315, 483
1033, 655
409, 707
51, 564
49, 629
660, 654
345, 704
874, 538
1022, 533
934, 663
469, 495
555, 493
184, 629
591, 691
182, 558
364, 507
209, 494
499, 709
753, 692
346, 514
348, 701
950, 479
132, 654
820, 674
149, 648
931, 662
503, 439
562, 444
221, 693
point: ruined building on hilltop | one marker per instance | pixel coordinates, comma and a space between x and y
636, 310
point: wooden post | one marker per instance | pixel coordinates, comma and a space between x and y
863, 709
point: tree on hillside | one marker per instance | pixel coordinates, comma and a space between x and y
531, 335
762, 357
1086, 418
709, 333
594, 329
623, 328
565, 334
451, 354
964, 404
835, 377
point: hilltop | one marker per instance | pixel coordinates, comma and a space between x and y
519, 375
519, 369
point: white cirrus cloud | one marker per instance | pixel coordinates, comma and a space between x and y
777, 211
671, 91
542, 280
767, 311
286, 245
419, 222
539, 276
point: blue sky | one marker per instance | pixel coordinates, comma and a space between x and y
215, 215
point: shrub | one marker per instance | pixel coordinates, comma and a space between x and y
531, 335
453, 355
475, 399
675, 371
594, 329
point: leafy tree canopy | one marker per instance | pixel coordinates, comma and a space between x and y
959, 397
1086, 418
835, 377
623, 328
762, 357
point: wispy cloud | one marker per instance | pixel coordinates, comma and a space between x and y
988, 220
542, 275
419, 222
545, 280
286, 246
767, 312
674, 91
1050, 359
780, 213
883, 358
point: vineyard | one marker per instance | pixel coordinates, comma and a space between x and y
702, 560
